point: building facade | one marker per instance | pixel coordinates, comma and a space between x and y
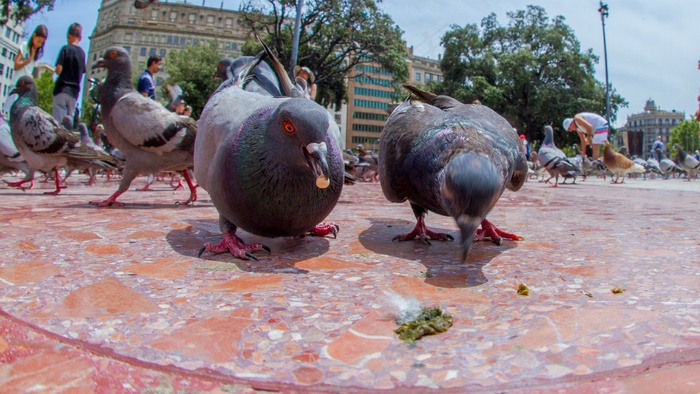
11, 37
371, 97
642, 129
159, 29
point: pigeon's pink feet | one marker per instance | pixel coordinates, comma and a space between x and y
112, 200
146, 188
423, 234
324, 229
193, 190
58, 186
19, 184
489, 230
178, 185
235, 245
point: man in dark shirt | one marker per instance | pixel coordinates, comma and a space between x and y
70, 67
147, 86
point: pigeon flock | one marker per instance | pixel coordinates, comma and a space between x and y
270, 158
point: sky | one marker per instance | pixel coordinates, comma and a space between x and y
652, 45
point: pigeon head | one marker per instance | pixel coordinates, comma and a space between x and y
304, 125
548, 135
471, 187
25, 86
114, 58
222, 69
679, 151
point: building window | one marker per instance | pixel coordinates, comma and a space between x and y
152, 52
7, 32
210, 20
193, 17
229, 22
233, 46
143, 52
128, 37
173, 16
127, 49
417, 76
182, 40
154, 15
195, 42
161, 53
170, 40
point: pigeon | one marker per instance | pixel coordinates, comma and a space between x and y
151, 138
262, 79
44, 143
451, 159
687, 162
271, 165
554, 160
177, 96
619, 164
142, 4
537, 168
11, 159
653, 166
668, 166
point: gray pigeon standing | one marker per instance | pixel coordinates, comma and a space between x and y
687, 162
554, 160
668, 166
452, 159
271, 165
151, 138
43, 142
11, 159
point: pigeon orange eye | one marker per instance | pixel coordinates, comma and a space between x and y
289, 127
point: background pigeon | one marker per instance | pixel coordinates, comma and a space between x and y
554, 160
249, 73
11, 159
668, 166
271, 165
687, 162
619, 164
653, 166
45, 144
452, 159
151, 138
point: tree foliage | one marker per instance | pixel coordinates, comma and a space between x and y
531, 70
335, 37
21, 10
685, 135
44, 87
193, 69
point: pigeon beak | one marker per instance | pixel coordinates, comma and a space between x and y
316, 157
467, 227
99, 64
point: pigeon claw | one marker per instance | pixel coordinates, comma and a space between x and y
489, 230
19, 184
422, 233
323, 229
235, 245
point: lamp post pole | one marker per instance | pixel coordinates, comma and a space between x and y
604, 14
295, 37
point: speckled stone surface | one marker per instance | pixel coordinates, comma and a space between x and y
115, 299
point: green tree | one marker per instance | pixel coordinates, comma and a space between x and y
44, 87
685, 135
21, 10
532, 71
192, 69
336, 37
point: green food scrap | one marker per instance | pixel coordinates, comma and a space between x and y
618, 290
431, 321
523, 290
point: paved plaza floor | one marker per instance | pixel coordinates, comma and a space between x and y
116, 300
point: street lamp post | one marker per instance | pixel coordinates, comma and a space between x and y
295, 36
604, 14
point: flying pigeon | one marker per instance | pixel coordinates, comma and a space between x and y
271, 165
619, 164
668, 166
43, 142
554, 160
452, 159
11, 159
687, 162
151, 138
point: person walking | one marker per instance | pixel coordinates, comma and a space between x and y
70, 67
147, 85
